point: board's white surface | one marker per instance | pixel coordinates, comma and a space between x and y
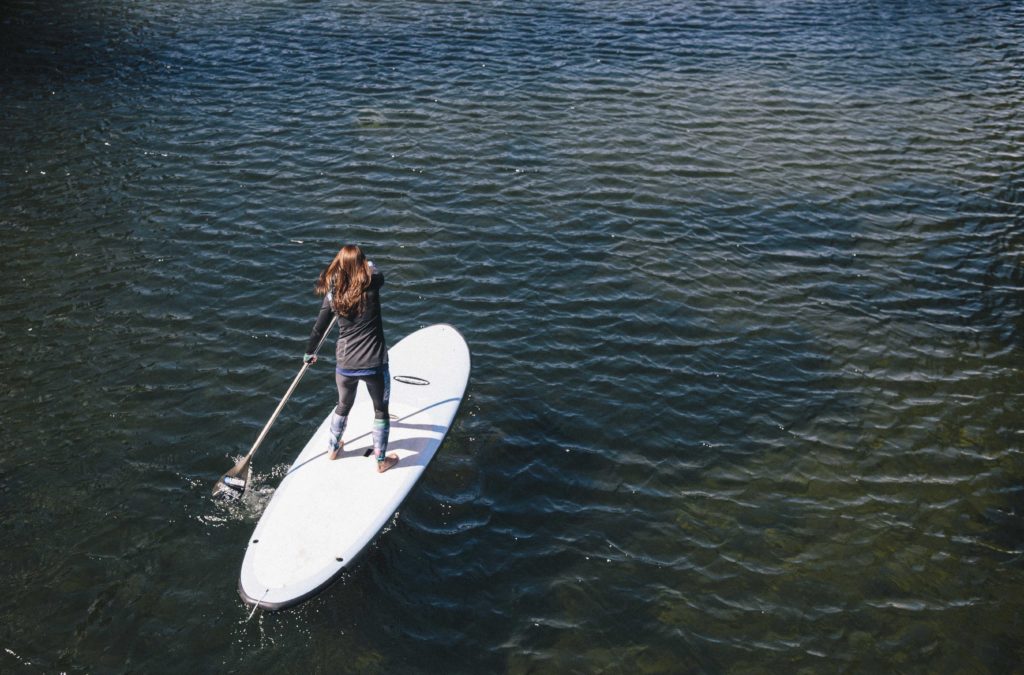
325, 512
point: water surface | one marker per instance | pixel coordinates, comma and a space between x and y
743, 283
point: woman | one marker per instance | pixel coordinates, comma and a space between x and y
351, 289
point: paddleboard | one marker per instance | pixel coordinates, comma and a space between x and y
324, 512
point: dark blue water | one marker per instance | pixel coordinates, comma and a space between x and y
743, 282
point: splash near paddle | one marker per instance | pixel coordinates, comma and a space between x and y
324, 513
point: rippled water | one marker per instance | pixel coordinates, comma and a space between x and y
743, 283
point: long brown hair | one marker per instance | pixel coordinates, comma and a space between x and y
347, 277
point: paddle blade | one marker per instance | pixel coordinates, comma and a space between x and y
231, 485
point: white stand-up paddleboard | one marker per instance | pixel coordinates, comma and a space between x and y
325, 512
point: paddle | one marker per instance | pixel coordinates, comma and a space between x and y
232, 484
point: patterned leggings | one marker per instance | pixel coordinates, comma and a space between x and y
379, 387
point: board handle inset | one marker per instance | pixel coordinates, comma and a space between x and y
411, 379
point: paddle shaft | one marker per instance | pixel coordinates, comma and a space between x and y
287, 395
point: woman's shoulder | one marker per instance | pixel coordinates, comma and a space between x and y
376, 276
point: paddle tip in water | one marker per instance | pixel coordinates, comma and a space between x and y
229, 489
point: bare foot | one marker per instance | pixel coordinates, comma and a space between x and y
387, 463
336, 453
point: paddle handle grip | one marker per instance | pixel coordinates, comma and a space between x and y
287, 395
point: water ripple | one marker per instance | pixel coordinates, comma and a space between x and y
742, 281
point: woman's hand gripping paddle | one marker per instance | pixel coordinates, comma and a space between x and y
232, 485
